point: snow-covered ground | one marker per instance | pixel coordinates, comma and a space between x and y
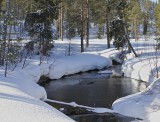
146, 67
19, 98
20, 95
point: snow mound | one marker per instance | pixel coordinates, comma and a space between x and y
77, 63
140, 69
18, 106
144, 105
19, 98
20, 94
111, 53
154, 117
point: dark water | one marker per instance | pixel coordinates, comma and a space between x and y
103, 118
94, 90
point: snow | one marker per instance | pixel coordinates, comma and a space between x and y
19, 99
154, 117
144, 105
20, 95
156, 1
105, 72
77, 63
102, 110
141, 105
140, 68
111, 53
20, 107
93, 109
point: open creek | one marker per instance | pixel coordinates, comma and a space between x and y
94, 90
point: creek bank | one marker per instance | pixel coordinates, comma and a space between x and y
144, 105
66, 89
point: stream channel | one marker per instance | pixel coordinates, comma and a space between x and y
95, 90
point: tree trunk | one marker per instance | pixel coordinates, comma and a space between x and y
129, 43
61, 21
82, 25
135, 30
127, 38
5, 35
4, 40
108, 37
6, 15
107, 27
87, 33
145, 26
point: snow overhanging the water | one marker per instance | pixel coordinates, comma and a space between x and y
20, 94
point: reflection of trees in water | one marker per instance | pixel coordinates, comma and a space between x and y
99, 92
94, 90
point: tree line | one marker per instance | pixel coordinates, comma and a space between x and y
72, 18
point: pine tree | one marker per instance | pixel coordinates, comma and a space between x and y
39, 23
101, 16
146, 12
157, 17
134, 17
76, 19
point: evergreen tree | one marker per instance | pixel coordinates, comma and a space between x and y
98, 12
39, 23
134, 17
157, 17
147, 13
76, 19
101, 16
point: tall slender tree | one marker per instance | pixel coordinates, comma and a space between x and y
134, 17
157, 17
87, 22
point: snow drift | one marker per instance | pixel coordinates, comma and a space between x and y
77, 63
20, 94
144, 105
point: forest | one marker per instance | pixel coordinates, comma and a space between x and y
79, 60
43, 21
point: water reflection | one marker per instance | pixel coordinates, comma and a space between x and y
92, 89
102, 118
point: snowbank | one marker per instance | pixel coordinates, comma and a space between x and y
110, 53
77, 63
140, 68
146, 104
20, 94
19, 98
154, 117
17, 106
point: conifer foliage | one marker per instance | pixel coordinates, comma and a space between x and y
111, 19
39, 24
